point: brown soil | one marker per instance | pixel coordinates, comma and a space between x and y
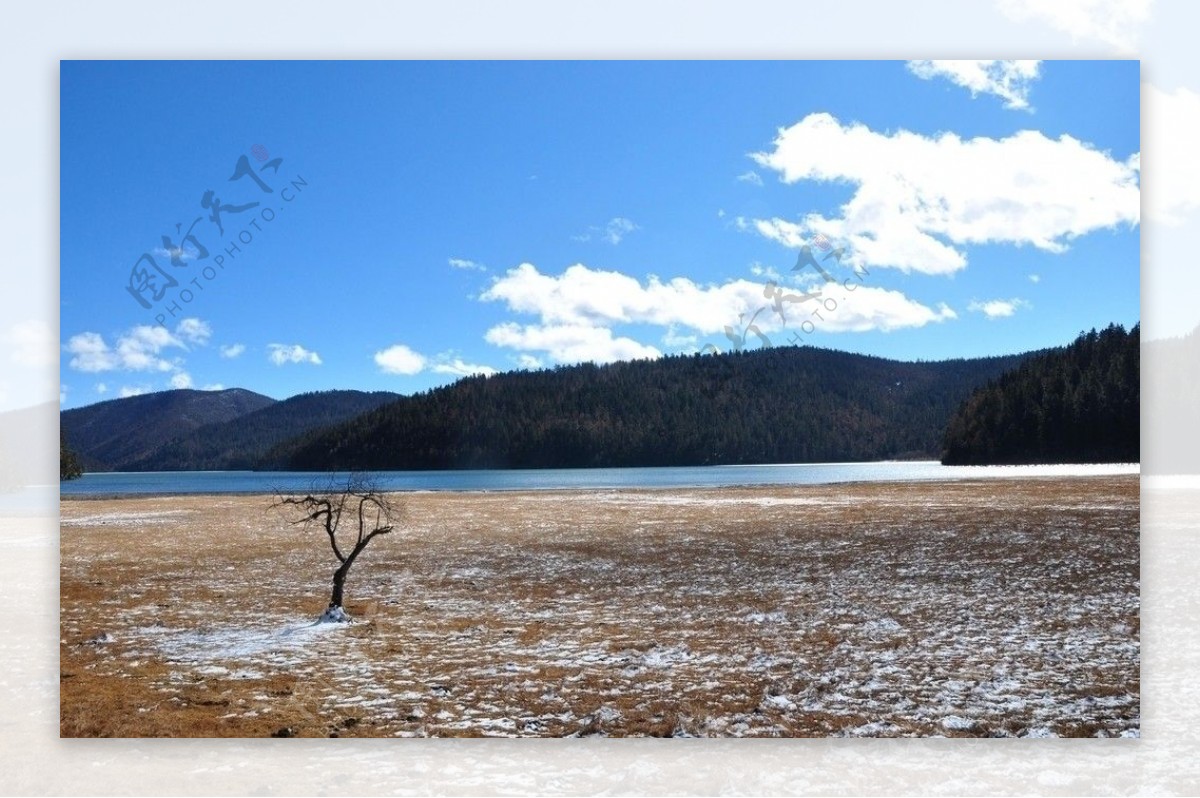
974, 608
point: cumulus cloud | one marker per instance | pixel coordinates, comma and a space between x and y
997, 308
181, 379
459, 368
399, 359
569, 343
136, 350
469, 265
139, 348
30, 343
582, 296
617, 229
577, 310
232, 350
919, 199
279, 354
1009, 80
752, 177
1172, 125
1114, 22
131, 390
216, 386
527, 361
194, 331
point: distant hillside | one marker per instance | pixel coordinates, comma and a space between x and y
786, 404
25, 459
1079, 404
109, 436
239, 444
1171, 437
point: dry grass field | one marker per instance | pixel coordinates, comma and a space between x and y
1004, 607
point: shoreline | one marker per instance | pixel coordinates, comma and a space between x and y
114, 496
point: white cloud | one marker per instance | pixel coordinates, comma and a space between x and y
617, 229
139, 348
752, 177
613, 232
759, 270
529, 362
584, 296
194, 330
461, 369
399, 359
181, 379
30, 343
1114, 22
577, 309
232, 350
279, 354
216, 386
135, 350
569, 343
1035, 278
462, 263
997, 308
918, 199
1009, 80
127, 391
101, 388
870, 308
1172, 126
90, 353
674, 339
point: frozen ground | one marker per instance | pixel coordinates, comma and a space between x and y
990, 608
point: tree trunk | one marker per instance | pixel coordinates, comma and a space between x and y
339, 583
335, 610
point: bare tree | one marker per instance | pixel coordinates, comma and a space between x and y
370, 514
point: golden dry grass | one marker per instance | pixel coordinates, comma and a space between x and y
974, 608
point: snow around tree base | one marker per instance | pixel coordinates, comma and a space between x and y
334, 614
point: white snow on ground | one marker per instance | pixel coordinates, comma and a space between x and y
125, 519
842, 623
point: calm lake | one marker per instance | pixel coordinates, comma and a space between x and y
128, 483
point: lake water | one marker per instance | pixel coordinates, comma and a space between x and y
128, 483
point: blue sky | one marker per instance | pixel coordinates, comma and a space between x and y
432, 219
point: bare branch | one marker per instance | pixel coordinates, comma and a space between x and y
325, 504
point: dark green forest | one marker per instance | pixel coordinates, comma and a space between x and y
68, 462
114, 434
239, 444
1079, 404
189, 430
771, 405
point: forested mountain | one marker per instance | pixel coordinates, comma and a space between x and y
1079, 404
108, 436
240, 444
775, 405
